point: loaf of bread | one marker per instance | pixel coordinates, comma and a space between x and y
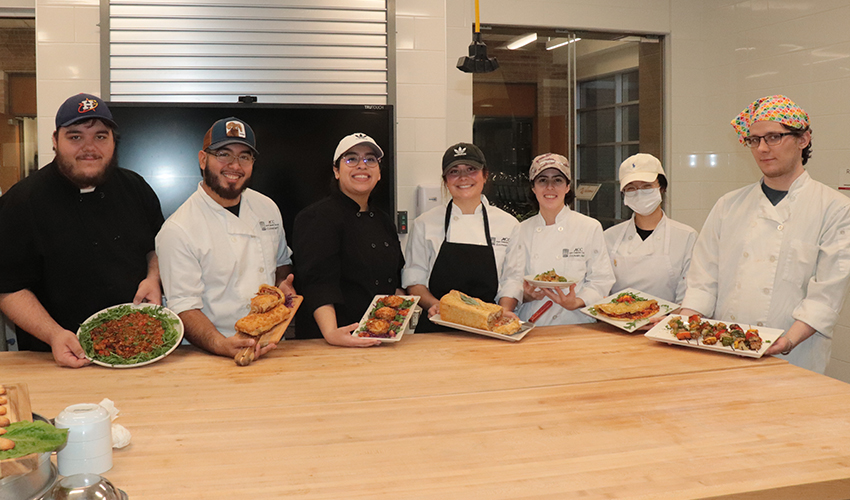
457, 307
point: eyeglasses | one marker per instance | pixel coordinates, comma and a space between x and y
753, 141
556, 181
353, 160
226, 157
456, 172
645, 187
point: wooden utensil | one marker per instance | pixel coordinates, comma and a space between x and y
18, 409
246, 355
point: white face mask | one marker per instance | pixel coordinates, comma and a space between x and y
643, 201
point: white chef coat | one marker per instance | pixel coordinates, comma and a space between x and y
428, 231
211, 260
757, 264
575, 248
657, 265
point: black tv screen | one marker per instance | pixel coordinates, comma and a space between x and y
296, 143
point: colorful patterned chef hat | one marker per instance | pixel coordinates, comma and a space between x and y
775, 108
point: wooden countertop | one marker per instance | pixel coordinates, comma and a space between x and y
568, 412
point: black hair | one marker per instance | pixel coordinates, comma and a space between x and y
798, 132
532, 198
662, 182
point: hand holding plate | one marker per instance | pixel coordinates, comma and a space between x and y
67, 350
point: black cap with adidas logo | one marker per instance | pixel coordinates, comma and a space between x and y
463, 153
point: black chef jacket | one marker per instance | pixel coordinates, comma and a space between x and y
78, 253
344, 257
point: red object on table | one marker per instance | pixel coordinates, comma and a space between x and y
545, 307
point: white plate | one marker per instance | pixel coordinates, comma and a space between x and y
404, 325
664, 308
168, 312
548, 284
662, 333
516, 337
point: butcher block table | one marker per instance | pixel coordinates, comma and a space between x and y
569, 412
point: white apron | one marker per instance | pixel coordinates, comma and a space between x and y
650, 273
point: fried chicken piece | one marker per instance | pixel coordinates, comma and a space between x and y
387, 313
378, 326
267, 298
256, 324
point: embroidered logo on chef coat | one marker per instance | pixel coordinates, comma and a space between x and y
460, 151
270, 225
500, 242
577, 252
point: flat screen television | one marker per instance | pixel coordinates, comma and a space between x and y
296, 143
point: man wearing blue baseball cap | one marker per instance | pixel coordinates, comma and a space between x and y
78, 235
222, 243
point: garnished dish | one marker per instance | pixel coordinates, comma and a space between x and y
629, 309
129, 335
271, 311
715, 335
462, 312
387, 317
549, 279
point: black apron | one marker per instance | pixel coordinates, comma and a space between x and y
468, 268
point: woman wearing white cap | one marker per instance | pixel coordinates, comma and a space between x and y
650, 251
464, 245
559, 239
345, 250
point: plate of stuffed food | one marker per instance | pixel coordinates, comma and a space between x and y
387, 317
629, 309
130, 335
462, 312
549, 279
715, 335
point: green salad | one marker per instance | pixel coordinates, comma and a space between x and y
130, 338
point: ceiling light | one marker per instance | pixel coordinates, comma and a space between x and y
559, 42
522, 41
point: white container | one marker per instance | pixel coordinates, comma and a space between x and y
89, 446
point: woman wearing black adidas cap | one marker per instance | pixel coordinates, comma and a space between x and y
463, 245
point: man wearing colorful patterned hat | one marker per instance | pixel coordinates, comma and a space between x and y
78, 235
776, 253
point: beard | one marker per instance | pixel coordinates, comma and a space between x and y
219, 188
81, 180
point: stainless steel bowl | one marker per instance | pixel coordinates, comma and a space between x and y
85, 487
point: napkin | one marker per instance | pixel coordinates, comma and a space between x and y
120, 435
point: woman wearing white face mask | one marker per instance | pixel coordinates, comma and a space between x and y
650, 252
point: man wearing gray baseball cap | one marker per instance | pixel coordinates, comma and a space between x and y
222, 243
78, 235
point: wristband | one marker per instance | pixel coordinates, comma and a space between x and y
788, 351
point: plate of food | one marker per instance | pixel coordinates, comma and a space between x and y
629, 309
462, 312
130, 335
715, 335
271, 311
549, 279
387, 317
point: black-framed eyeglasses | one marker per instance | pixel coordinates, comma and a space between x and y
353, 160
773, 139
226, 157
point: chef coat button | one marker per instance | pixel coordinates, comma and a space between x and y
233, 240
262, 270
738, 284
780, 227
374, 245
94, 243
760, 323
773, 258
359, 214
371, 214
557, 257
389, 280
377, 282
455, 217
560, 228
102, 195
732, 317
767, 291
746, 254
539, 229
387, 244
535, 256
630, 237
